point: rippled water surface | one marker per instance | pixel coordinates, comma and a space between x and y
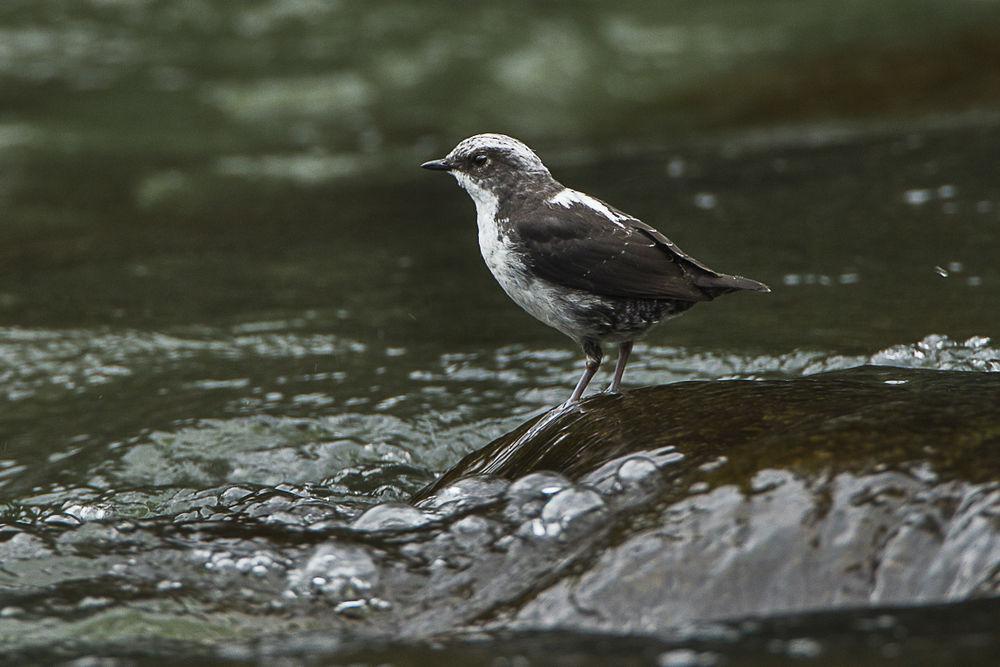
239, 328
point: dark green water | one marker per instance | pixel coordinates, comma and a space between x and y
220, 267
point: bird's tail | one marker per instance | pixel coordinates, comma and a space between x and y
723, 284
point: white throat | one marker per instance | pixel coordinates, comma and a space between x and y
487, 206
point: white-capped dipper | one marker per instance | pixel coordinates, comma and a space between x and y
585, 268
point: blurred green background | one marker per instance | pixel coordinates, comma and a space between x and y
170, 163
366, 84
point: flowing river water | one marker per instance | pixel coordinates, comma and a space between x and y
241, 336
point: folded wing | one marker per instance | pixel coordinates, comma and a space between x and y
617, 256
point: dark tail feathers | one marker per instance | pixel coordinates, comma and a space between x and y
716, 285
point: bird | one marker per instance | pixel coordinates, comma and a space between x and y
596, 274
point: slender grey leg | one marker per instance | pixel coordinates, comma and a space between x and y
624, 350
594, 355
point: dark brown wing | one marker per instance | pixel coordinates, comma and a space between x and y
582, 248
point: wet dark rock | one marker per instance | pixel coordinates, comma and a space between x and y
711, 500
855, 420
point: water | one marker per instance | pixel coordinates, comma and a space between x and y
236, 320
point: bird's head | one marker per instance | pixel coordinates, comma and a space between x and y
490, 165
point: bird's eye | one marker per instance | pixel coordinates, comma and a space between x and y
480, 160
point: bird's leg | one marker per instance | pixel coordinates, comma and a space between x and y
594, 355
624, 350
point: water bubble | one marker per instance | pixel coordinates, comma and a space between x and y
336, 572
791, 279
569, 505
167, 585
795, 279
470, 491
848, 278
67, 520
638, 471
942, 353
685, 657
705, 201
768, 480
714, 464
917, 197
526, 496
258, 564
86, 512
946, 191
472, 531
391, 516
676, 167
91, 602
352, 608
803, 647
536, 485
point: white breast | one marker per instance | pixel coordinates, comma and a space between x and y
539, 298
493, 243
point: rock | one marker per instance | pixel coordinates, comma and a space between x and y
858, 420
714, 500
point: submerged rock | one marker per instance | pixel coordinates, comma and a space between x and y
714, 500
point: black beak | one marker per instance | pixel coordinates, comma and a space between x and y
437, 165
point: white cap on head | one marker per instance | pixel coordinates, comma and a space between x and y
515, 151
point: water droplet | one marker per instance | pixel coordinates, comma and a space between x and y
705, 200
569, 505
685, 657
340, 573
917, 197
803, 647
391, 516
636, 470
466, 492
848, 278
352, 608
